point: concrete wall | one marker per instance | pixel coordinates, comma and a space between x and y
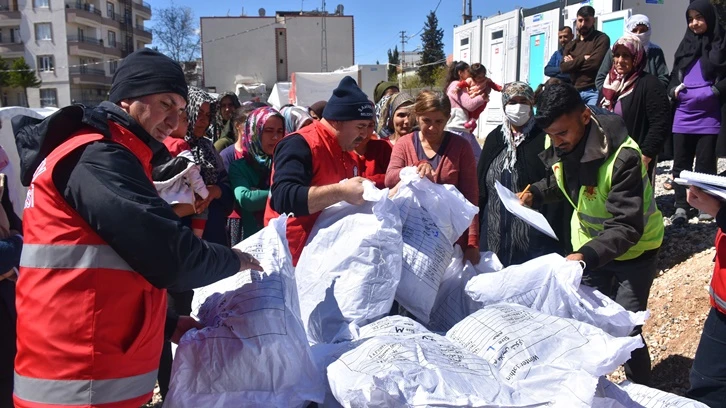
254, 53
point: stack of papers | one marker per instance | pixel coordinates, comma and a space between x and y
714, 185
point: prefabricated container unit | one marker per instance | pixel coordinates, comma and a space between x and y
500, 55
540, 27
467, 42
667, 21
602, 7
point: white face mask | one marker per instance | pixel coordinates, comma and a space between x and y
518, 114
644, 38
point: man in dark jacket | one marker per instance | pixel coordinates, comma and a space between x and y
583, 57
105, 195
552, 69
616, 228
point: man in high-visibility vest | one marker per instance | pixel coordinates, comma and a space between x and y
616, 228
101, 246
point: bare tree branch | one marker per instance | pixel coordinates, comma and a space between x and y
176, 33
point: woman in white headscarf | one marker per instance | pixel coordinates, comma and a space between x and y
639, 26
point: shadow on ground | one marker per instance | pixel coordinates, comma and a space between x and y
671, 374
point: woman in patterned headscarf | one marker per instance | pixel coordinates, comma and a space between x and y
510, 157
222, 127
393, 113
250, 175
220, 200
296, 118
639, 98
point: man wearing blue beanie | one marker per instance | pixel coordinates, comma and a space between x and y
309, 164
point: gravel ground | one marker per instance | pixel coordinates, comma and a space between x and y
679, 297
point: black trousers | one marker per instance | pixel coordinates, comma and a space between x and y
181, 303
628, 283
8, 317
687, 147
708, 375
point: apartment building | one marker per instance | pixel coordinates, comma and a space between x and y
74, 45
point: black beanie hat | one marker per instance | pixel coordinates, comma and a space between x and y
146, 72
348, 102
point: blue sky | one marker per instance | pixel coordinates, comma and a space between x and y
377, 22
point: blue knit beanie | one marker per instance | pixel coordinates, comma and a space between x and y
348, 102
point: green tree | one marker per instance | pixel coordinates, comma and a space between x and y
4, 74
433, 49
22, 76
393, 59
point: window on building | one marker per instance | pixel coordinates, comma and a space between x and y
465, 41
46, 63
15, 35
43, 31
81, 34
110, 10
41, 3
1, 36
112, 66
48, 97
111, 39
497, 35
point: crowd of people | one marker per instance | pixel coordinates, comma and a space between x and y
134, 203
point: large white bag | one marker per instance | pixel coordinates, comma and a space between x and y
452, 303
551, 284
407, 370
434, 216
349, 270
543, 355
253, 350
631, 395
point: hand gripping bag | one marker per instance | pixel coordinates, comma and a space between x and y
253, 351
434, 216
350, 267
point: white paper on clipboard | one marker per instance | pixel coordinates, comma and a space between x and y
528, 215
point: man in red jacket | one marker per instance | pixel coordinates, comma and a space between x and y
101, 246
708, 375
309, 164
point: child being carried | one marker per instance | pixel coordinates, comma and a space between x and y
477, 83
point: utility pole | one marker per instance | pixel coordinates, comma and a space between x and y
404, 40
466, 15
324, 44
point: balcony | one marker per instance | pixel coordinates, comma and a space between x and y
9, 14
84, 46
142, 7
117, 50
143, 32
86, 75
83, 13
6, 49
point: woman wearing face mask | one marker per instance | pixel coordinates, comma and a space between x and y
639, 26
698, 88
443, 157
510, 156
639, 98
393, 114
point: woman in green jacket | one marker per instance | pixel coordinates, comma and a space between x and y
250, 176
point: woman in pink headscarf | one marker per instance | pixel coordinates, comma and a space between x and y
638, 97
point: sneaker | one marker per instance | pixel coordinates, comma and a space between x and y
680, 217
702, 216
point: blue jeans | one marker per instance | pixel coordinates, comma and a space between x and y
589, 96
708, 375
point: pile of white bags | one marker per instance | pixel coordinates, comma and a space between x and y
350, 267
253, 350
434, 216
551, 284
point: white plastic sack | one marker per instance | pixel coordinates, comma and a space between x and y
551, 284
418, 370
543, 354
349, 270
253, 350
452, 303
630, 395
434, 216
